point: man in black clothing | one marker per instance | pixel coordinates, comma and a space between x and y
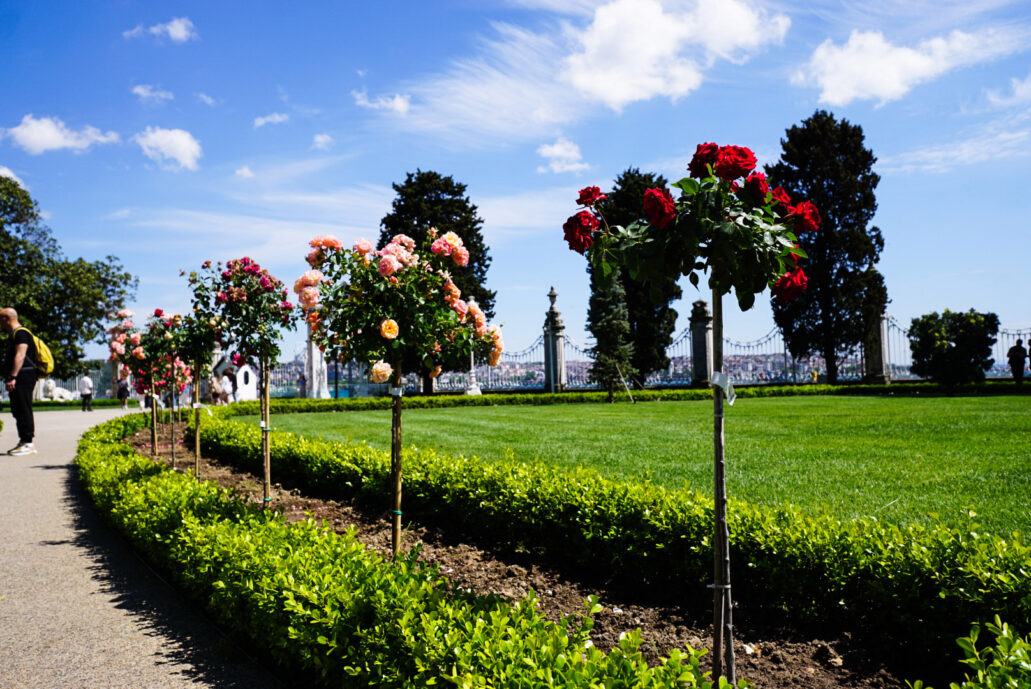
20, 377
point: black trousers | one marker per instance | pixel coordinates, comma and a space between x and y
1018, 372
21, 406
87, 402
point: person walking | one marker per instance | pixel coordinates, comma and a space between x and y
20, 376
1016, 356
228, 389
86, 390
123, 389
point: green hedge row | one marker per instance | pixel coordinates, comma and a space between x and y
916, 586
300, 406
329, 611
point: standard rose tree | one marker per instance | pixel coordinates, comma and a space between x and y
393, 305
728, 225
249, 307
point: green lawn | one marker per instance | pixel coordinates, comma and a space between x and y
900, 459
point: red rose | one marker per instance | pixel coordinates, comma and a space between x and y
590, 196
733, 162
659, 207
704, 155
806, 217
790, 285
158, 313
780, 197
578, 230
757, 186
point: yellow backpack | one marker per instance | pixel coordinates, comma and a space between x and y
44, 360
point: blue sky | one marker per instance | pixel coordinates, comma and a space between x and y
171, 133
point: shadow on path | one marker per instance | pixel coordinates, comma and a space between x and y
191, 641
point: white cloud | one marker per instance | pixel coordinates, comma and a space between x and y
147, 94
7, 172
322, 142
274, 118
205, 99
521, 214
179, 30
636, 50
49, 133
170, 146
528, 84
869, 67
244, 173
397, 103
1020, 93
120, 214
981, 148
562, 156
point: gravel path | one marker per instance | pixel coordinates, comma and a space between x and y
77, 608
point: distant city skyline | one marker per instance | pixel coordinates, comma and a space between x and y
213, 130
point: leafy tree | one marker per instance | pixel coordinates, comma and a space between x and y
953, 348
428, 199
651, 318
64, 302
609, 322
825, 160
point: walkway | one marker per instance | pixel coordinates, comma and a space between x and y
77, 608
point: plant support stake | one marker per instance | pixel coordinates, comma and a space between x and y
722, 620
395, 457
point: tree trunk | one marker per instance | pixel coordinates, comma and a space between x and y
427, 384
722, 614
395, 461
831, 359
266, 429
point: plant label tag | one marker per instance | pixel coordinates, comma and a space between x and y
722, 380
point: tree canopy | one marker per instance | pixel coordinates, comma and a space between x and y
651, 318
825, 160
609, 322
63, 301
953, 348
428, 199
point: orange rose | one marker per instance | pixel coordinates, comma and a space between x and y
388, 328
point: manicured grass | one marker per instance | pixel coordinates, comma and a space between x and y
902, 459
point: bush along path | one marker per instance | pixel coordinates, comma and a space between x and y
323, 606
911, 587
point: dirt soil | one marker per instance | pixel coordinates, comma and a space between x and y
772, 659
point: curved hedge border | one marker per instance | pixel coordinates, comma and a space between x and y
912, 586
324, 607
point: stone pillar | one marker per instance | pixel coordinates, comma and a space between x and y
875, 352
473, 388
701, 343
554, 348
315, 373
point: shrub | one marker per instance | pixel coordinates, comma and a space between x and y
953, 348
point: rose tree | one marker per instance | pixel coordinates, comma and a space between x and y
386, 306
250, 307
726, 223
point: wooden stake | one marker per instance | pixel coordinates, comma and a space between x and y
153, 420
171, 412
265, 448
196, 420
395, 462
722, 622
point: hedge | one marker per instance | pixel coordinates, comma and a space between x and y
331, 612
914, 586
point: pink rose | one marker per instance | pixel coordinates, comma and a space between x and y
388, 265
381, 371
659, 208
134, 339
461, 256
404, 240
441, 247
362, 247
461, 308
308, 297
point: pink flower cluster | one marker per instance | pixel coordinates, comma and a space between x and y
498, 345
450, 244
397, 255
307, 289
320, 248
452, 295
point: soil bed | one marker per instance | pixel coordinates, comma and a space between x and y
769, 658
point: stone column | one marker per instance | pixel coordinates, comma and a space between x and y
315, 372
875, 352
554, 348
701, 343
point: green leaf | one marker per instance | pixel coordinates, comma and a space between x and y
687, 185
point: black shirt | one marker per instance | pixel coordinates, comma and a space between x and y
29, 364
